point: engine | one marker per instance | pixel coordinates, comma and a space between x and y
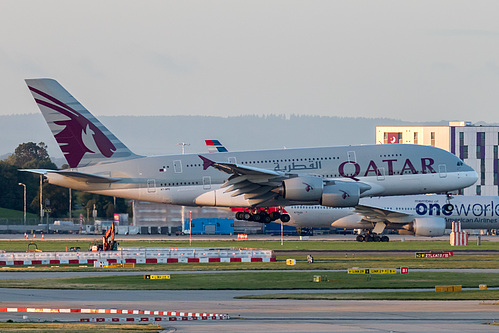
429, 226
341, 194
305, 188
311, 188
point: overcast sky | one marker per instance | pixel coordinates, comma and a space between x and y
410, 60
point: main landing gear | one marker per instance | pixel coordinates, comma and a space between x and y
372, 237
262, 216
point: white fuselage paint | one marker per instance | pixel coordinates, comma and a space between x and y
181, 179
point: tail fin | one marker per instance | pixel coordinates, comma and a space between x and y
82, 138
214, 146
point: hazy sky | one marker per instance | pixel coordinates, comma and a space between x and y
411, 60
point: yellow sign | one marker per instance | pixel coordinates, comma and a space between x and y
358, 271
291, 262
383, 271
157, 277
372, 271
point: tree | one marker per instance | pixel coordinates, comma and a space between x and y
103, 204
30, 155
26, 155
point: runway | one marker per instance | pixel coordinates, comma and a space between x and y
265, 315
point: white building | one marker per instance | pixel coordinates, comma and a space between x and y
477, 146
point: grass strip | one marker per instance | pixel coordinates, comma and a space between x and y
321, 262
260, 281
80, 328
393, 296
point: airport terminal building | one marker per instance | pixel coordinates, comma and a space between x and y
477, 146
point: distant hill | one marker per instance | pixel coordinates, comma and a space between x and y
157, 135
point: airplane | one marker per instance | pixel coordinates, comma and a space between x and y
330, 176
420, 215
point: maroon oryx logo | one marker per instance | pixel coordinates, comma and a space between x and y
79, 135
345, 194
308, 187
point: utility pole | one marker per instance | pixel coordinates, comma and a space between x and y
183, 144
70, 202
41, 202
24, 185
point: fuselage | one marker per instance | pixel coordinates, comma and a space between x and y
181, 179
474, 212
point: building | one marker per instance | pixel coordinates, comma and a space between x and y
477, 146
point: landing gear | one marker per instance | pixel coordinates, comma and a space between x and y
372, 237
262, 216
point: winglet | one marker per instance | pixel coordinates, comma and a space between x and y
206, 162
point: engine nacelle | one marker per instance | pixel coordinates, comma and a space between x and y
429, 226
304, 188
344, 194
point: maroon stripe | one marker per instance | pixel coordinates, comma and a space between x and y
53, 99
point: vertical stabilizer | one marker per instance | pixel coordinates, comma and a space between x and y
82, 138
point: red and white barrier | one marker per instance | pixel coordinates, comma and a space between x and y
458, 237
168, 314
138, 256
148, 319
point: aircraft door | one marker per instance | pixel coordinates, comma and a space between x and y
232, 160
177, 166
206, 182
442, 170
381, 173
151, 186
351, 156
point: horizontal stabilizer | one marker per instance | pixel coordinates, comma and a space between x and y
77, 176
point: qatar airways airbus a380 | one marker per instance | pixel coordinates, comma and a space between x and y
327, 176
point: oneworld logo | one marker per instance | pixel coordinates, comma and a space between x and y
463, 210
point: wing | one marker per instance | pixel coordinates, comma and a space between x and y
377, 214
257, 185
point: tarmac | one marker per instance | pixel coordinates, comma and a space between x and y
254, 315
263, 315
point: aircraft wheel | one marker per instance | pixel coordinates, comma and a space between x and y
275, 216
285, 218
246, 216
360, 238
239, 216
385, 239
377, 238
256, 217
265, 218
369, 238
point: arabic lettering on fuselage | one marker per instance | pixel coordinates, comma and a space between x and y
296, 166
353, 169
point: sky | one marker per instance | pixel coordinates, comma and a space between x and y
408, 60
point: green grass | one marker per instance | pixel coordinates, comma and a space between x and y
259, 281
6, 213
321, 262
80, 328
400, 296
351, 245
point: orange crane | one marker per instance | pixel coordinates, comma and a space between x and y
108, 243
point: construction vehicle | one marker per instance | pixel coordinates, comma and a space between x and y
32, 247
108, 242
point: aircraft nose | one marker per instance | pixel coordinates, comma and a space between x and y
471, 177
